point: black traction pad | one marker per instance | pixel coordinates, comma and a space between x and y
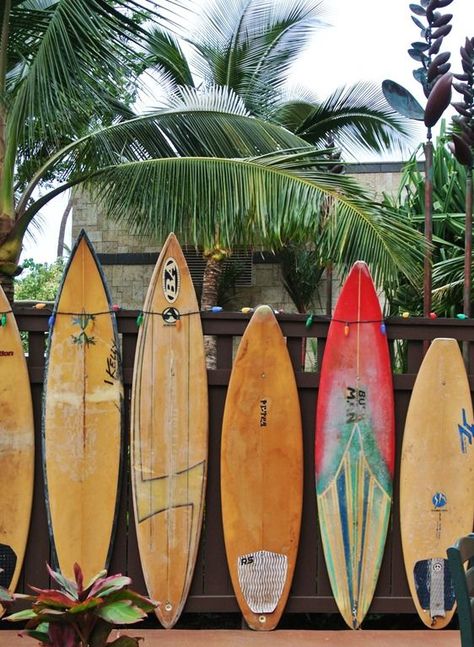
7, 564
434, 585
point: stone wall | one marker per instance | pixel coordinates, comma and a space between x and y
128, 282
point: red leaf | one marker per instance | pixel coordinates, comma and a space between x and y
51, 596
79, 577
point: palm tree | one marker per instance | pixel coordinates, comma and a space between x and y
202, 166
249, 47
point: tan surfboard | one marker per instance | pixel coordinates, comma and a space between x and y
436, 478
17, 449
82, 417
169, 433
262, 472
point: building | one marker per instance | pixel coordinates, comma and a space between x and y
128, 260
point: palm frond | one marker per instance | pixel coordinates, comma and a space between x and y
164, 52
250, 45
182, 131
186, 131
70, 50
259, 200
358, 117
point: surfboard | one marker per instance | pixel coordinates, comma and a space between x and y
17, 449
262, 472
354, 445
436, 478
169, 427
82, 417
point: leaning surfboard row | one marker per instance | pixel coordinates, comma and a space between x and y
261, 448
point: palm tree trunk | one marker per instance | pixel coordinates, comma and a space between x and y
329, 289
210, 286
62, 227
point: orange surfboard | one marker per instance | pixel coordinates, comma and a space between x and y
82, 417
262, 472
169, 433
17, 449
436, 478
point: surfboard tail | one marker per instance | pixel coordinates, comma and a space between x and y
354, 513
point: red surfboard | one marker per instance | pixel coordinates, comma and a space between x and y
355, 445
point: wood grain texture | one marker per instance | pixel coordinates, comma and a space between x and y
437, 471
17, 449
169, 433
262, 472
82, 417
354, 445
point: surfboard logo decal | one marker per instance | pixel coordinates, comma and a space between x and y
171, 280
112, 364
170, 316
466, 432
262, 577
356, 404
85, 321
439, 500
263, 412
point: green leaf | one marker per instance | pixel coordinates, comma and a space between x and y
54, 598
5, 595
67, 585
110, 584
144, 603
26, 614
99, 576
121, 612
87, 605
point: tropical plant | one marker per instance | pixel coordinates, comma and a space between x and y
449, 195
249, 47
74, 615
435, 79
65, 68
202, 166
462, 146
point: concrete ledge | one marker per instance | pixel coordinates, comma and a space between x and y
277, 638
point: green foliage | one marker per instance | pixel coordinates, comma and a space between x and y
302, 269
76, 616
39, 281
449, 199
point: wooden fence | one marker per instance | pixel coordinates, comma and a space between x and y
211, 590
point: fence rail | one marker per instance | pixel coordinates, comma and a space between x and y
211, 589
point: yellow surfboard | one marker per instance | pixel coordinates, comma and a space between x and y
17, 449
262, 472
169, 428
82, 417
436, 478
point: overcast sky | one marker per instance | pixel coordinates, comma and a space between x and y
366, 40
